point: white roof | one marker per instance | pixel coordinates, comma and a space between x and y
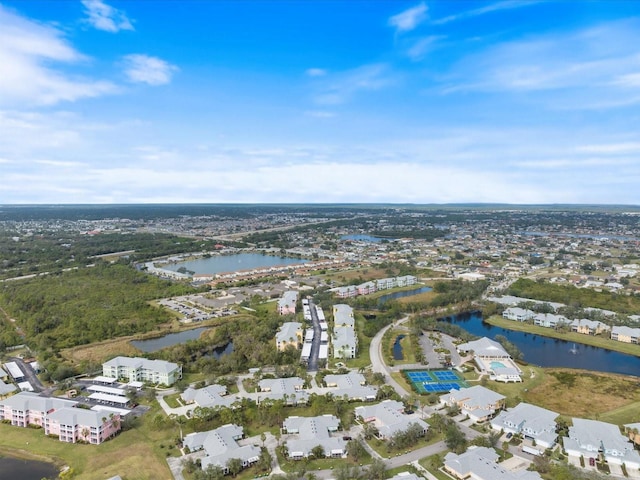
481, 462
110, 390
102, 379
105, 397
13, 369
484, 347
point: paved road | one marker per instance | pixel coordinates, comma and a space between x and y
312, 366
377, 360
29, 374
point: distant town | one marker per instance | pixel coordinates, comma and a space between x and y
404, 342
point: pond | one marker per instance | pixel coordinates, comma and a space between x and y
552, 352
404, 293
397, 348
155, 344
232, 263
26, 469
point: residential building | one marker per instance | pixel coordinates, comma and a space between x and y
589, 327
343, 316
596, 440
313, 432
291, 390
287, 304
6, 389
77, 424
625, 334
28, 408
290, 333
478, 402
518, 314
550, 320
345, 342
406, 476
221, 445
481, 463
389, 418
351, 386
212, 396
142, 370
532, 422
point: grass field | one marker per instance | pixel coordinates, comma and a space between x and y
576, 393
594, 340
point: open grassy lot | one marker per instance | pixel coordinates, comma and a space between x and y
138, 453
587, 395
576, 393
425, 297
594, 340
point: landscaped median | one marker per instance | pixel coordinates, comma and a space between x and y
593, 340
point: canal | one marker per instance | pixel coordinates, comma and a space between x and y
552, 352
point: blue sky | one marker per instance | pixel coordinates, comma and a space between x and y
319, 101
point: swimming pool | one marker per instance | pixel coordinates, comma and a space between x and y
497, 365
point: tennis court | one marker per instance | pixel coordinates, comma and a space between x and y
435, 381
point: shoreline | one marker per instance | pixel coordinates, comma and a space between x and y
572, 337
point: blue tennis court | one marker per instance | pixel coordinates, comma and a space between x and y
440, 387
445, 376
435, 381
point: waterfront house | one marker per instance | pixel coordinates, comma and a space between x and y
518, 314
625, 334
589, 327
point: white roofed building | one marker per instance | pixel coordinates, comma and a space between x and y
290, 333
591, 438
287, 304
313, 432
221, 445
531, 421
142, 369
478, 402
389, 418
481, 463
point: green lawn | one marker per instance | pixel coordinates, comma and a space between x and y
594, 340
383, 449
627, 414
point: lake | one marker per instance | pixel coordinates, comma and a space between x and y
233, 263
155, 344
15, 468
403, 293
552, 352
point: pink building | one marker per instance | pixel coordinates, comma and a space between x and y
77, 424
59, 417
27, 408
287, 304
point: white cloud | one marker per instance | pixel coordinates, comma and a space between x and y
34, 55
421, 47
590, 65
341, 87
146, 69
504, 5
106, 18
320, 114
409, 19
611, 148
316, 72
